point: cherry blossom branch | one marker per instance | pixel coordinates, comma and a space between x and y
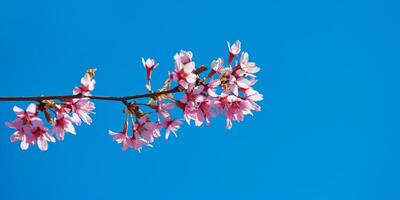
226, 90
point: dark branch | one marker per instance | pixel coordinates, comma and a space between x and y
105, 98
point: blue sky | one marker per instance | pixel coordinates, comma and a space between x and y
328, 129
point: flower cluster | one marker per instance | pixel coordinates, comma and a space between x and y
31, 129
227, 89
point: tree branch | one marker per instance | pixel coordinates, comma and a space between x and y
105, 98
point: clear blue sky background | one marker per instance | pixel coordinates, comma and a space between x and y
329, 127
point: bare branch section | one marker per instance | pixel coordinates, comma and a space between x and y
105, 98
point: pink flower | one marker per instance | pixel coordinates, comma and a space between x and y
29, 128
216, 66
63, 123
24, 117
252, 94
184, 67
87, 85
136, 141
234, 50
236, 108
197, 106
231, 81
31, 133
171, 126
20, 135
149, 65
162, 108
190, 101
184, 57
122, 137
206, 108
40, 135
147, 129
248, 68
81, 108
30, 111
212, 87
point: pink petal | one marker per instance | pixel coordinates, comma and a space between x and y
243, 83
76, 119
244, 59
18, 111
36, 121
31, 108
198, 89
42, 143
70, 128
167, 132
85, 80
24, 145
76, 90
228, 124
191, 78
188, 68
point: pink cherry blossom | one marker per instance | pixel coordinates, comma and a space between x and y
184, 67
149, 65
140, 129
206, 108
216, 65
162, 108
252, 94
171, 126
197, 106
30, 133
190, 101
63, 123
81, 109
137, 142
30, 111
248, 67
231, 81
87, 85
20, 135
24, 117
236, 108
122, 137
212, 87
147, 129
40, 134
234, 50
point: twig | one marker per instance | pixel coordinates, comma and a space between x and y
105, 98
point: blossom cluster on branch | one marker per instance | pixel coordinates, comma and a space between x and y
227, 89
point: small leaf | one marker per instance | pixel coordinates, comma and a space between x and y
165, 87
48, 117
91, 72
199, 70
